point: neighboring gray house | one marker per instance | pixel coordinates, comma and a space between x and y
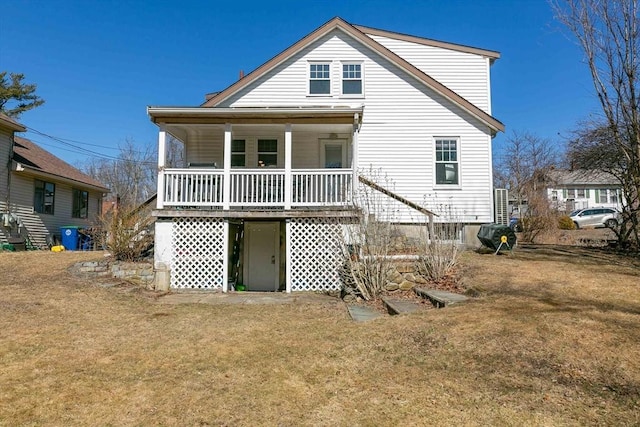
40, 193
275, 158
579, 189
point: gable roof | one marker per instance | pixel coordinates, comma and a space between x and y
11, 124
568, 178
491, 54
356, 33
32, 157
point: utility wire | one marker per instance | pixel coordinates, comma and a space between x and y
80, 150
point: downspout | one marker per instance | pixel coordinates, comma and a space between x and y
9, 163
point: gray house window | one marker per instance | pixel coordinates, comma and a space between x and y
352, 79
44, 197
447, 161
80, 204
267, 152
238, 153
319, 79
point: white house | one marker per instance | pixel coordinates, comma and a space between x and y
579, 189
40, 193
273, 160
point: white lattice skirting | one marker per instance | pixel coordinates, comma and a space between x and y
316, 255
197, 253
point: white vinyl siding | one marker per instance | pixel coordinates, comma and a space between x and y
401, 119
467, 74
587, 196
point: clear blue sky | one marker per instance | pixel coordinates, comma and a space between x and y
98, 64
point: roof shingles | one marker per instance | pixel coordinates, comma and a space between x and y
31, 156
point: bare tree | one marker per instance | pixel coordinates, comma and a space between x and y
609, 35
132, 176
523, 169
590, 150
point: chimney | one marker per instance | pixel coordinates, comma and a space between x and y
241, 75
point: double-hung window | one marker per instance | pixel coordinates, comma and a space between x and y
80, 207
352, 79
613, 195
267, 152
238, 153
319, 79
44, 197
447, 169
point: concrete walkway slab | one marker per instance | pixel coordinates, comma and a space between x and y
441, 298
361, 313
270, 298
400, 306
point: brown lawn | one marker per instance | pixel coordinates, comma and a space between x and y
555, 340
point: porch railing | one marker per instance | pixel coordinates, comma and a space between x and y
193, 187
257, 188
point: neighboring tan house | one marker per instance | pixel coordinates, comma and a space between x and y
274, 159
40, 193
580, 189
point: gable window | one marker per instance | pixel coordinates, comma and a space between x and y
319, 79
447, 161
80, 204
352, 79
44, 197
267, 152
238, 153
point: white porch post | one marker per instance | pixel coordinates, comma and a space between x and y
225, 256
287, 166
226, 181
354, 155
287, 261
162, 160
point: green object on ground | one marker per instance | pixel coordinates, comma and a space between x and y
240, 287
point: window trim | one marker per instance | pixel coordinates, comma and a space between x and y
361, 79
309, 79
458, 162
74, 192
44, 197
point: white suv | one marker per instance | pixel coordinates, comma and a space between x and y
595, 217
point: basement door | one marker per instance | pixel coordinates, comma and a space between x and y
262, 253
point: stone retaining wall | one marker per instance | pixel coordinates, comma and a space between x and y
136, 271
404, 276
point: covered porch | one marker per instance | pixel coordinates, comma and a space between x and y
257, 158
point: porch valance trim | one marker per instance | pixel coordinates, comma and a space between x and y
202, 115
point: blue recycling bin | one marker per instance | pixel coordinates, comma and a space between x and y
70, 237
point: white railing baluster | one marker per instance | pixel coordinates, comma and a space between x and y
257, 187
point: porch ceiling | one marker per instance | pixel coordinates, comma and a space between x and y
187, 131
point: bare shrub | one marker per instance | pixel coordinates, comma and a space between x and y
128, 235
539, 217
438, 253
368, 240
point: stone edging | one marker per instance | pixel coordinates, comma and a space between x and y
141, 272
